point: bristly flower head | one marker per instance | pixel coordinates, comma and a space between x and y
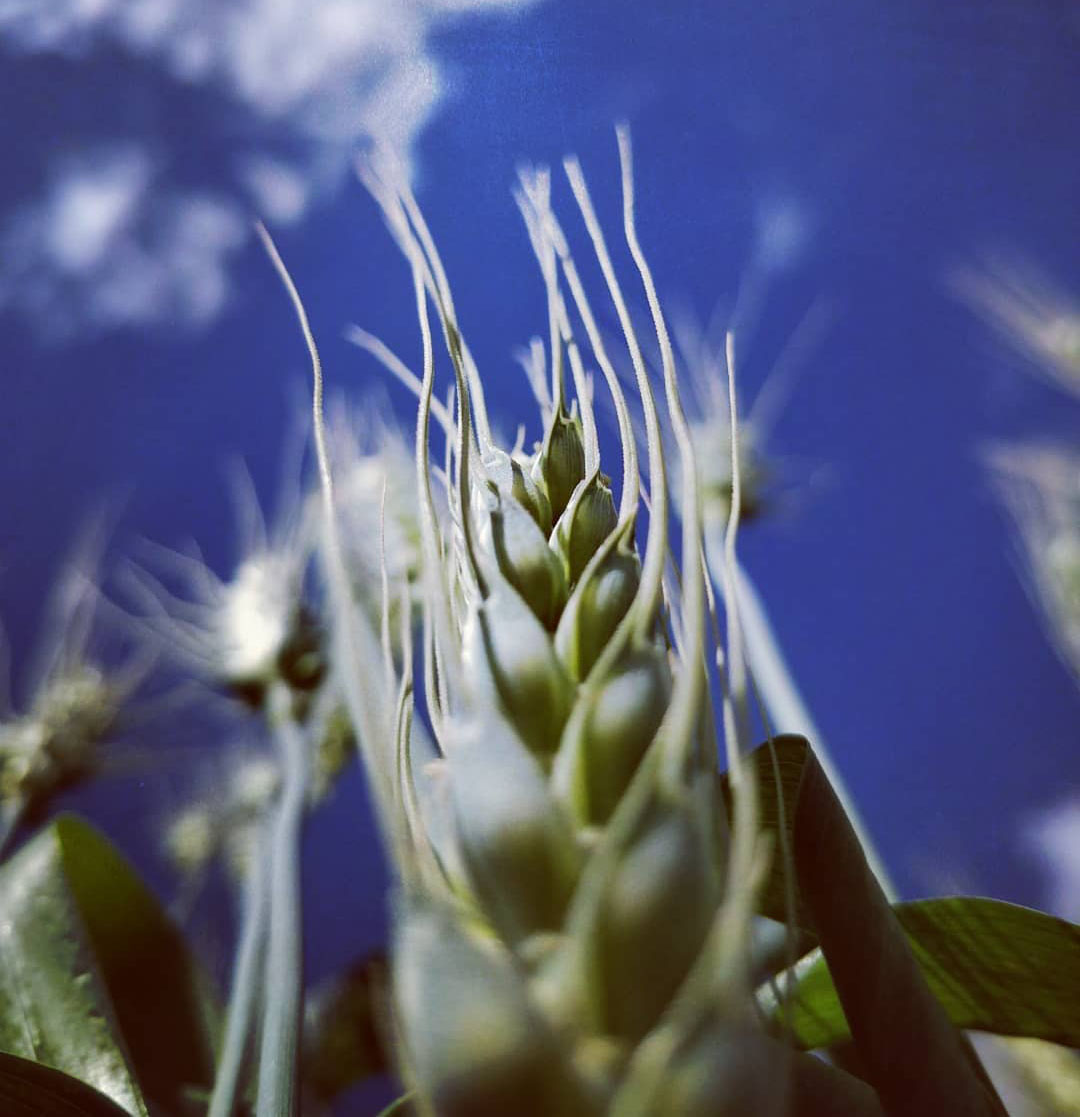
1028, 311
705, 360
74, 701
1039, 485
249, 630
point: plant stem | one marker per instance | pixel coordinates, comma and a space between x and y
284, 960
245, 983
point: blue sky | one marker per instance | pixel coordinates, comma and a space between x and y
837, 154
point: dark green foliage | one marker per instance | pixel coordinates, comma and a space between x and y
97, 980
29, 1089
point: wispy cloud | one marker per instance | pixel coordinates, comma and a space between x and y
114, 238
110, 245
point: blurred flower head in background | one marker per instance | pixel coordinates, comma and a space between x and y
1030, 312
73, 698
1039, 485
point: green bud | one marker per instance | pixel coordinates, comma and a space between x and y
516, 844
622, 721
609, 731
588, 520
597, 605
724, 1069
511, 663
531, 497
560, 465
473, 1040
509, 476
525, 559
658, 909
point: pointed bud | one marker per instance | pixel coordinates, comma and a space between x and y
588, 520
473, 1040
524, 557
725, 1069
599, 602
510, 662
530, 496
659, 906
622, 721
560, 465
516, 844
509, 476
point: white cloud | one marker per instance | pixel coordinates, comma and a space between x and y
280, 191
1054, 837
113, 240
105, 247
90, 206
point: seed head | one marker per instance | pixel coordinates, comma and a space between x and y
562, 893
246, 631
255, 620
75, 703
57, 742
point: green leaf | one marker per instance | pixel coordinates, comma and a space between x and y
894, 1018
779, 766
342, 1043
94, 978
995, 967
28, 1089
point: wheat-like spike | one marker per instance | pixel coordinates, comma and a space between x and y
579, 832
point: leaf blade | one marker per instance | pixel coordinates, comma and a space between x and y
995, 967
28, 1089
95, 980
161, 997
56, 1010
